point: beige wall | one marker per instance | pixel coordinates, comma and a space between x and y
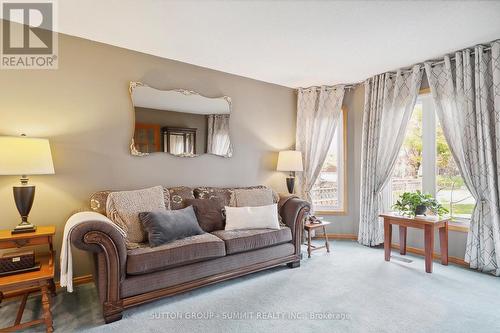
85, 110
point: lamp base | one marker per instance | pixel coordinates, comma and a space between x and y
24, 195
23, 228
290, 184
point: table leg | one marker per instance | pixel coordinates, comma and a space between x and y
21, 309
443, 244
429, 246
309, 250
47, 315
402, 240
387, 239
326, 240
52, 287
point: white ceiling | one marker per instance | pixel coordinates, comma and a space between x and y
292, 43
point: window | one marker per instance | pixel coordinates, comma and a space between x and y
328, 193
425, 163
451, 190
407, 174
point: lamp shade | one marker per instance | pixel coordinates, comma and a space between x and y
25, 156
289, 160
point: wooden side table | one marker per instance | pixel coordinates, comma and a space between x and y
29, 282
311, 226
428, 225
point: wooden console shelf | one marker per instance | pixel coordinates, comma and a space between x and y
28, 282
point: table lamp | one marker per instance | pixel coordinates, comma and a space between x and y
23, 156
291, 161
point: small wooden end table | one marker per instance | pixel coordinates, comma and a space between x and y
29, 282
428, 225
311, 226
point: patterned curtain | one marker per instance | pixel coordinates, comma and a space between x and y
389, 102
318, 112
218, 141
466, 93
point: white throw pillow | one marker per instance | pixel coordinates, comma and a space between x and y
262, 217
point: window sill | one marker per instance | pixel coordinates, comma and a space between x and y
460, 226
330, 212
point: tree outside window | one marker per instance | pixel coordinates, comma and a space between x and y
408, 174
451, 190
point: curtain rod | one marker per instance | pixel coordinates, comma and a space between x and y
403, 70
486, 49
346, 86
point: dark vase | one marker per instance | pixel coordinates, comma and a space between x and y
420, 210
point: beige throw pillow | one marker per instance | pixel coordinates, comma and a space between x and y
252, 197
123, 208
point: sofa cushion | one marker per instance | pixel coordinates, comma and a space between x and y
209, 213
140, 284
246, 240
276, 196
178, 195
98, 200
123, 209
252, 197
224, 195
179, 252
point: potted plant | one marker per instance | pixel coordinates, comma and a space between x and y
417, 203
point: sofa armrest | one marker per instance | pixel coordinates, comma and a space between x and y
101, 237
108, 244
293, 211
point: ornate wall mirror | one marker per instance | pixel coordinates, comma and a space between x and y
179, 122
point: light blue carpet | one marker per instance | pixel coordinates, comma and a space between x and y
350, 290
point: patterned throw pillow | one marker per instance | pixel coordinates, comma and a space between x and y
222, 194
98, 200
178, 195
123, 208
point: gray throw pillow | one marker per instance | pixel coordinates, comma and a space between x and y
166, 226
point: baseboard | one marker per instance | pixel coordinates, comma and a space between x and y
76, 281
338, 236
437, 256
79, 280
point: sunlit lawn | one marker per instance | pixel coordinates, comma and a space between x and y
459, 208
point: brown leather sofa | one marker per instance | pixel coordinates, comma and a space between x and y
126, 278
